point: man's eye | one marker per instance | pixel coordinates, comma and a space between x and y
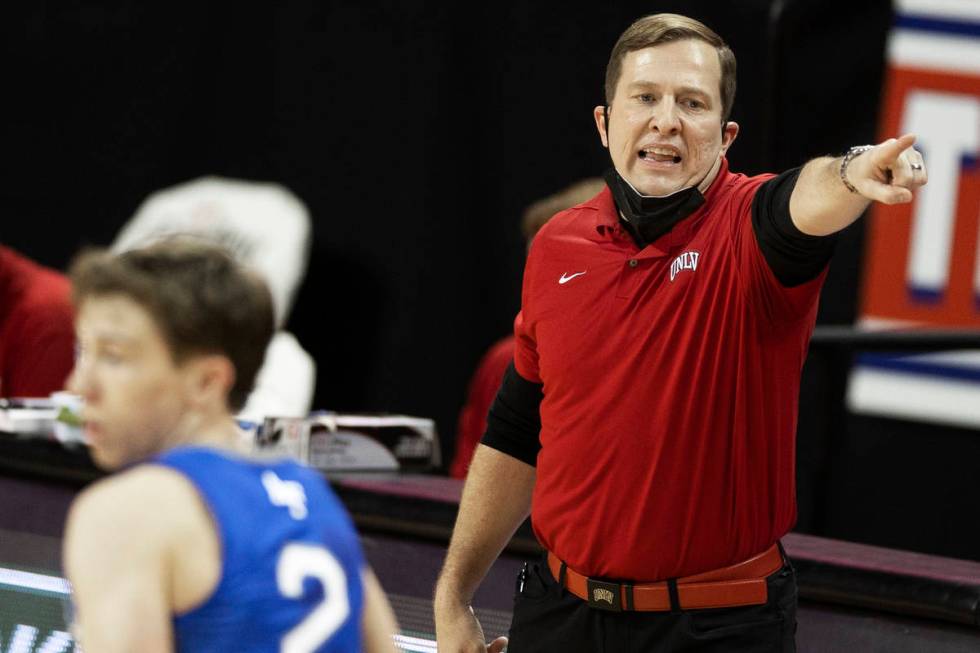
694, 104
645, 97
111, 357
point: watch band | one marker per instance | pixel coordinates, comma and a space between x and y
846, 161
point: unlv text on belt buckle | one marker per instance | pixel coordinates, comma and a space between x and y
604, 596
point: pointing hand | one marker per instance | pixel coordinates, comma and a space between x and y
889, 172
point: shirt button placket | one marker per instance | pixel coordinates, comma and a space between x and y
627, 281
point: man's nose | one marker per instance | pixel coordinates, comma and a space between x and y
665, 118
74, 383
80, 381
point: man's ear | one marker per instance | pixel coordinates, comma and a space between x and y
600, 113
209, 379
729, 132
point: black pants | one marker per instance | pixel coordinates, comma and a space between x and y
549, 618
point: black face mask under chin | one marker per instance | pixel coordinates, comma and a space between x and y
647, 217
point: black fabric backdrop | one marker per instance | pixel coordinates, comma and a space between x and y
414, 132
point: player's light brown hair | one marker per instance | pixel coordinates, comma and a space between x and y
538, 213
200, 298
666, 28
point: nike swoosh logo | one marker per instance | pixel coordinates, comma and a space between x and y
565, 279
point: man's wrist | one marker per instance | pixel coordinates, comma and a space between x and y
449, 596
451, 610
851, 154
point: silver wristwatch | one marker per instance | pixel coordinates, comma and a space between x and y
846, 161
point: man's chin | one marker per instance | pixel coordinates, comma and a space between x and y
661, 189
654, 185
106, 460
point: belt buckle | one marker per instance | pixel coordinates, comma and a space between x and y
603, 595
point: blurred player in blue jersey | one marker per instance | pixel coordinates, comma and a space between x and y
191, 545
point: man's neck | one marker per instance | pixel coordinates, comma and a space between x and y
710, 177
216, 429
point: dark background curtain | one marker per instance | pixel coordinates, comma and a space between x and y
416, 133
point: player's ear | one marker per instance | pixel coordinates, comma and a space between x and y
209, 378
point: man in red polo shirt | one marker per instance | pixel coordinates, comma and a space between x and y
648, 421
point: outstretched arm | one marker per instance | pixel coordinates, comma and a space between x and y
889, 173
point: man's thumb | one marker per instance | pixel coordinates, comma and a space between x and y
497, 645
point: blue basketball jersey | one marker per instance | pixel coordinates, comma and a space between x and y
291, 561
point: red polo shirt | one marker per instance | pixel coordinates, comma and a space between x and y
670, 378
37, 335
482, 390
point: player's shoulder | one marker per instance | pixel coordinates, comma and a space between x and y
137, 484
143, 528
134, 518
145, 500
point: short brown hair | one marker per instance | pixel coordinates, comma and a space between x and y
537, 214
665, 28
200, 298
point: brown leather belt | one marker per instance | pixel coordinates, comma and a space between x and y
743, 583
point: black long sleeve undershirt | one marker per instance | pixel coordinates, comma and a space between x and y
514, 420
793, 256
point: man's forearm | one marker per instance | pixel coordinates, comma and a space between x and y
820, 204
496, 500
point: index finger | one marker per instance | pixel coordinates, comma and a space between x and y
892, 148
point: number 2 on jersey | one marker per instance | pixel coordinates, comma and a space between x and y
296, 563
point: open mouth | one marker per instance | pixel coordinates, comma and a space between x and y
660, 154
